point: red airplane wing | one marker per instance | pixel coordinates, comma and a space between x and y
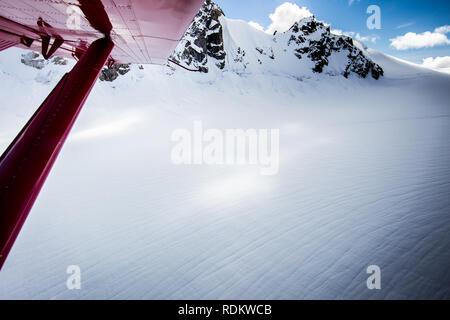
143, 31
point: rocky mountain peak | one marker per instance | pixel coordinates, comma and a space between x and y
313, 39
307, 26
203, 40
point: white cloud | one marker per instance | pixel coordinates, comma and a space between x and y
405, 25
428, 39
438, 63
350, 2
285, 16
365, 38
443, 29
256, 25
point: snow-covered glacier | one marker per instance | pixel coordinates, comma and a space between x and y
364, 179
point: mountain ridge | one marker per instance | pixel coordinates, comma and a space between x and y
214, 43
204, 47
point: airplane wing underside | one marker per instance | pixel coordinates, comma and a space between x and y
143, 31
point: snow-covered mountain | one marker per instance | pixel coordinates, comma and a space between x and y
216, 42
364, 175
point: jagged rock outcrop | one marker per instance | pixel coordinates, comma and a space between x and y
203, 40
59, 61
315, 41
35, 60
111, 73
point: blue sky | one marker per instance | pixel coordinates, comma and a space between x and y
397, 18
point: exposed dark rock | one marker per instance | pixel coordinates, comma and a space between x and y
203, 40
33, 59
36, 60
110, 74
59, 61
320, 50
